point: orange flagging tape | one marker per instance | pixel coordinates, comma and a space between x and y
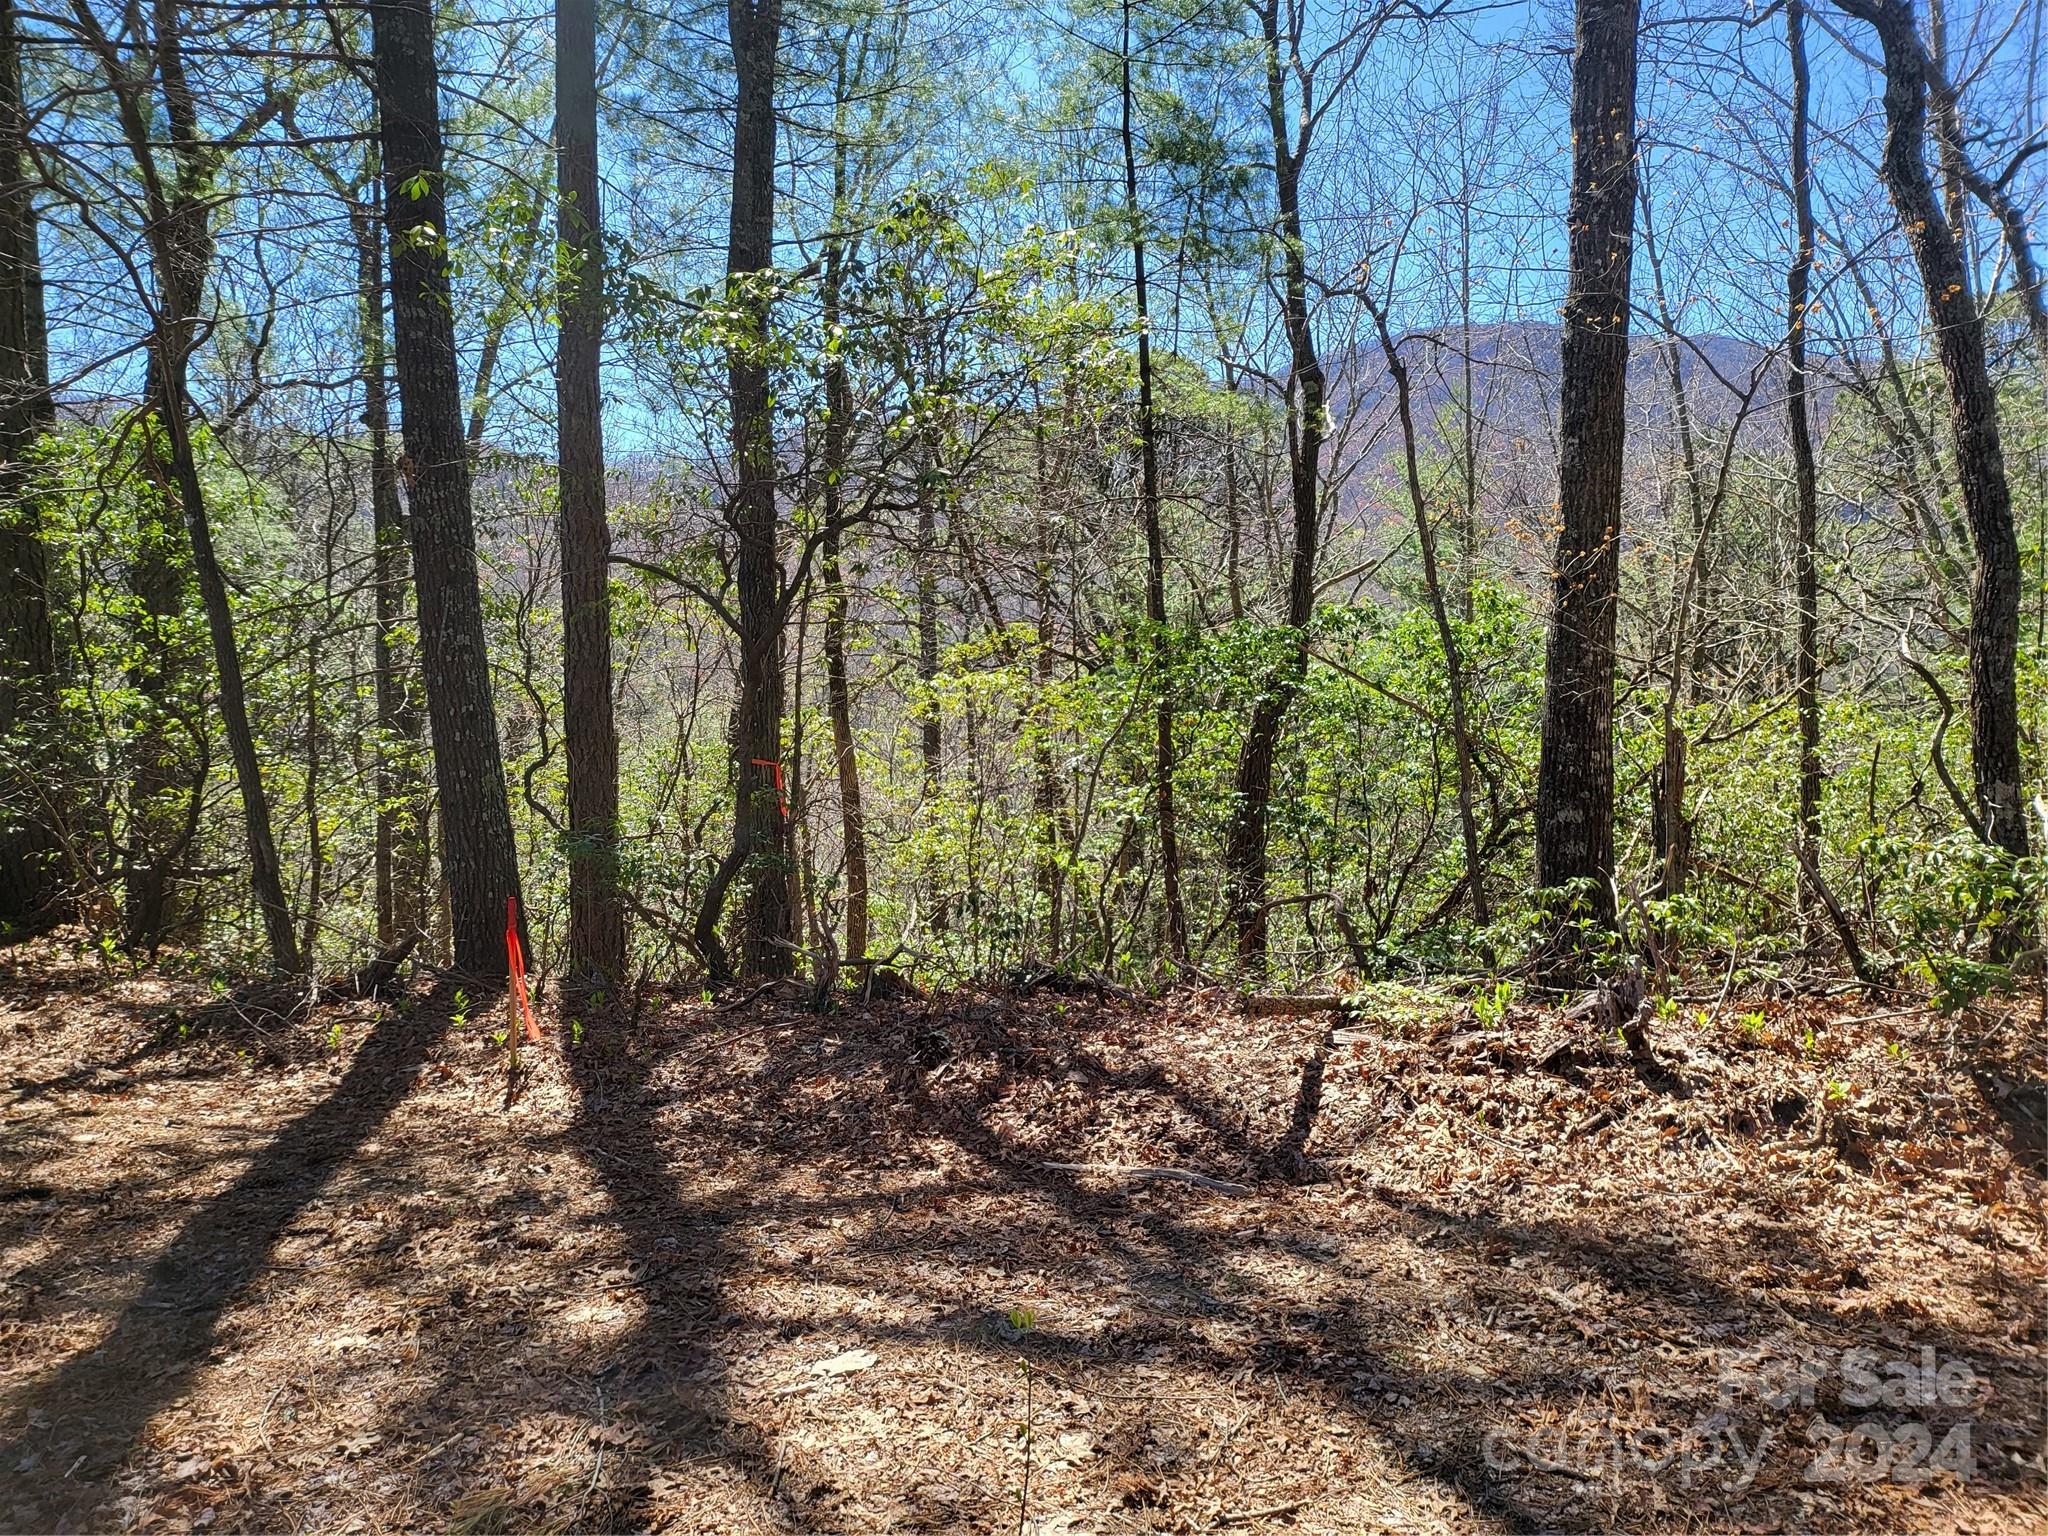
780, 794
515, 963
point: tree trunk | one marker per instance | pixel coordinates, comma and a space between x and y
1671, 828
1973, 414
1048, 797
478, 860
931, 731
838, 445
838, 683
1575, 773
164, 781
499, 321
266, 873
1949, 151
1468, 414
180, 244
597, 919
1163, 755
760, 854
314, 911
1447, 637
400, 854
31, 856
1805, 483
1245, 853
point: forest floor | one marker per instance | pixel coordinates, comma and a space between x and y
888, 1268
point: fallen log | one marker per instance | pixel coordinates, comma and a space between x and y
371, 978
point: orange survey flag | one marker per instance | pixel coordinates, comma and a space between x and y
515, 965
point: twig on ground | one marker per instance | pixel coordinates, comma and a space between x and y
1872, 1018
1178, 1175
1247, 1516
596, 1470
264, 1419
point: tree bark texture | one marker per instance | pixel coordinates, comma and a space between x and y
597, 919
1575, 773
32, 876
478, 860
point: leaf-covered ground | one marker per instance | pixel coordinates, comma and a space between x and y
758, 1269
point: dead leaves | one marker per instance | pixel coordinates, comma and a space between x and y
845, 1363
776, 1303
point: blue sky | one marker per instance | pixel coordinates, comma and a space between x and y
1477, 98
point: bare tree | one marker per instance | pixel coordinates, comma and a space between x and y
1805, 481
1163, 756
1439, 608
1293, 112
1973, 416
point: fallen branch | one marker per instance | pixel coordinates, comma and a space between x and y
1247, 1516
1872, 1018
1845, 934
371, 978
1599, 1120
1277, 1007
1177, 1175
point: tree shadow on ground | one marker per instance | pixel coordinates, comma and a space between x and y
79, 1422
2021, 1105
262, 1021
667, 1376
677, 1239
1347, 1343
1348, 1354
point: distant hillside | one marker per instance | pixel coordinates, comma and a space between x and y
1515, 379
1515, 371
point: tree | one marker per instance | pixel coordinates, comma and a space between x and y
402, 828
1805, 482
760, 846
1163, 755
1671, 826
400, 840
1142, 492
1575, 773
1447, 635
597, 923
1292, 115
838, 680
477, 855
31, 851
1973, 419
837, 448
176, 220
